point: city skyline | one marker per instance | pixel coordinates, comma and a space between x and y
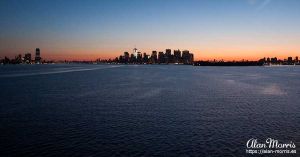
156, 57
87, 30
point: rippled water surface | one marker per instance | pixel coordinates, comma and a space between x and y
145, 110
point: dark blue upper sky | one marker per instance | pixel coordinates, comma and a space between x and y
104, 28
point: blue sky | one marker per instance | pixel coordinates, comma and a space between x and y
106, 28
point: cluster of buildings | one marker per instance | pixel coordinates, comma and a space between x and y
261, 62
178, 57
26, 59
275, 61
167, 57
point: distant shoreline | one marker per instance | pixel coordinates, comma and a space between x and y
200, 63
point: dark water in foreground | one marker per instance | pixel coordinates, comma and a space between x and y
106, 110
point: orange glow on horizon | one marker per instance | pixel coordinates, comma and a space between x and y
251, 56
204, 54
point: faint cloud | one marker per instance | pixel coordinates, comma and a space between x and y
261, 4
264, 4
252, 2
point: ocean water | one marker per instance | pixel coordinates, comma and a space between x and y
145, 110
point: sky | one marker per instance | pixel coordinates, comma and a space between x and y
90, 29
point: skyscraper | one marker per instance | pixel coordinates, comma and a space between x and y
191, 58
37, 55
135, 52
126, 57
161, 57
139, 57
168, 56
185, 56
145, 58
177, 56
154, 57
132, 58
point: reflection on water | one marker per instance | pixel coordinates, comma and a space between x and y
145, 110
55, 71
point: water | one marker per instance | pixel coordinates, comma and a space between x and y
145, 110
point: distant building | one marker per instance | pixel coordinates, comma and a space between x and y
121, 59
139, 57
263, 60
168, 56
132, 58
274, 60
290, 60
186, 57
191, 58
126, 57
27, 58
177, 56
18, 59
145, 58
161, 57
38, 55
135, 52
154, 57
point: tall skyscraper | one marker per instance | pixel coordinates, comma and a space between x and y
154, 57
145, 58
135, 52
161, 57
191, 58
37, 55
126, 57
168, 55
185, 56
139, 57
132, 58
177, 56
168, 52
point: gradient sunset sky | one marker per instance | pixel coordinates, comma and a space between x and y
90, 29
